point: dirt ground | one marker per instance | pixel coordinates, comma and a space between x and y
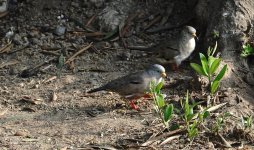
44, 112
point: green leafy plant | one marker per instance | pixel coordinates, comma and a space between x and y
208, 68
247, 50
165, 111
220, 122
191, 119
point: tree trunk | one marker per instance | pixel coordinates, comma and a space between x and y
232, 20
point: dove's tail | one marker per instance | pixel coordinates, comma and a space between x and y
96, 90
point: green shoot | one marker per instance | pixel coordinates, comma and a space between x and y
191, 119
165, 111
208, 68
247, 122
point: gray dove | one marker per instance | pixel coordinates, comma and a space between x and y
134, 85
175, 50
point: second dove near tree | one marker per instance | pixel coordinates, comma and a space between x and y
134, 85
177, 49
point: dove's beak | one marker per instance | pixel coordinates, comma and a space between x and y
194, 35
163, 74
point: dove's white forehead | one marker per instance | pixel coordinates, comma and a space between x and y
190, 29
157, 67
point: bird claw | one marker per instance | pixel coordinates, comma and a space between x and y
133, 106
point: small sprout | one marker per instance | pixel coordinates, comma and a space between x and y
220, 122
247, 122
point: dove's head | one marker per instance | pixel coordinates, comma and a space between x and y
189, 32
157, 70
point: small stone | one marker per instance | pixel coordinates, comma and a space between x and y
60, 30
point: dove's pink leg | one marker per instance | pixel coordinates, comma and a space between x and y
133, 106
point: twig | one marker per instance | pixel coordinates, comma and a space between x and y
213, 108
226, 144
169, 139
6, 48
157, 19
50, 53
43, 63
152, 140
20, 49
49, 79
50, 48
9, 63
77, 53
91, 20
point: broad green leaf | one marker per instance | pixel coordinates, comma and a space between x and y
214, 65
198, 69
160, 100
221, 74
204, 63
168, 111
159, 86
214, 86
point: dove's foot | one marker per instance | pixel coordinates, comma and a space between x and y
133, 106
148, 95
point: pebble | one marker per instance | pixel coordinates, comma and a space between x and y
60, 30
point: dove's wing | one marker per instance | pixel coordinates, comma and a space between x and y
166, 51
130, 85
